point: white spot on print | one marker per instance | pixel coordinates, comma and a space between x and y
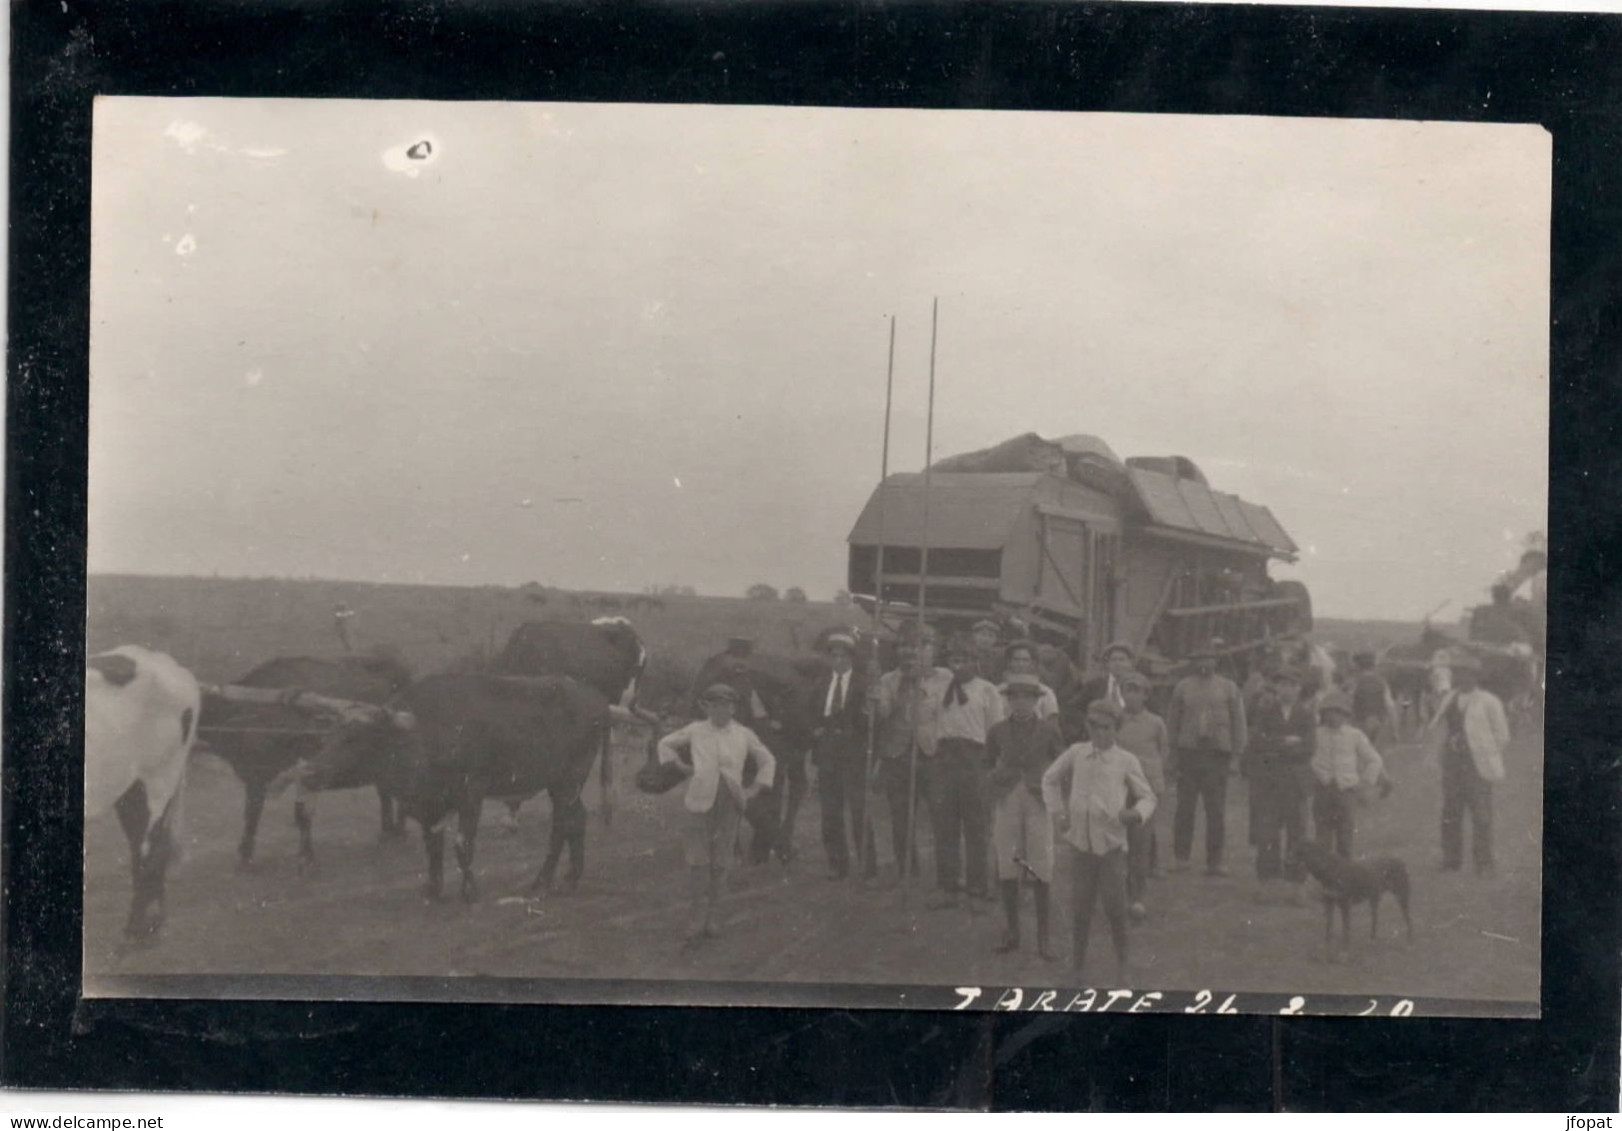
676, 481
188, 135
187, 245
253, 377
264, 153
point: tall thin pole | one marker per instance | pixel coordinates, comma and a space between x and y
875, 673
923, 600
929, 458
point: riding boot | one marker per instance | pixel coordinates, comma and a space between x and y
1042, 947
1010, 907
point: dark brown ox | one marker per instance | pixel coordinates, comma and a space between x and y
607, 654
261, 741
471, 737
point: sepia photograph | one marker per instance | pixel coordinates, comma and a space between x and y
627, 553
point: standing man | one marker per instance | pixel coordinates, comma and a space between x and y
839, 751
970, 707
1120, 661
987, 639
1143, 734
1281, 748
1473, 731
1206, 718
1372, 705
908, 703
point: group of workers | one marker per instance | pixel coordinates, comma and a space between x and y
1013, 774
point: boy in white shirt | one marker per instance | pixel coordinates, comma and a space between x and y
1094, 791
1343, 758
715, 800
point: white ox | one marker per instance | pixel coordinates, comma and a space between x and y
140, 714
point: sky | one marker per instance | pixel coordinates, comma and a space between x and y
608, 346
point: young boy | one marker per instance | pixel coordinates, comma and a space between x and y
1095, 792
716, 797
1343, 760
1144, 734
1021, 748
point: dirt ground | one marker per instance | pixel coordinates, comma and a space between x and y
361, 911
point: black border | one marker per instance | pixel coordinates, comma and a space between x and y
1562, 71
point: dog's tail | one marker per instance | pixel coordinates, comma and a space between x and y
1395, 878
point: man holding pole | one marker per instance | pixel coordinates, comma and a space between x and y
907, 705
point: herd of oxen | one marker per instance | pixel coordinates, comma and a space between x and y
533, 720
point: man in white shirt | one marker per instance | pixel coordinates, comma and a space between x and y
1472, 731
959, 803
715, 800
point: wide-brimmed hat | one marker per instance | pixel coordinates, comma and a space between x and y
719, 692
740, 646
1467, 661
1335, 702
1134, 679
988, 625
1022, 685
1118, 646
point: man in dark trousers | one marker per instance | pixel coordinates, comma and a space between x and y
839, 752
958, 803
1206, 718
1472, 732
1374, 711
908, 704
1281, 747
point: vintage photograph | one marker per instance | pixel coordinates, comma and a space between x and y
790, 555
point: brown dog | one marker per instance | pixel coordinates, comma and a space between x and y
1346, 882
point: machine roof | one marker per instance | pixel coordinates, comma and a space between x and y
970, 511
1185, 505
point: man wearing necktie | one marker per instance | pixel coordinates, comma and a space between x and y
1120, 661
839, 749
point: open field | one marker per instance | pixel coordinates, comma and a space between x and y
360, 910
222, 627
